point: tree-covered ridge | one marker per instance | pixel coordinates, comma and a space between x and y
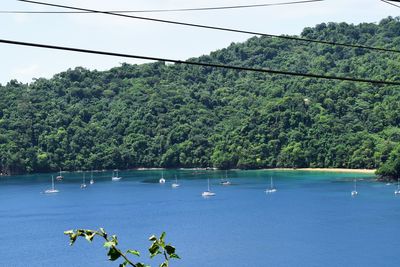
160, 115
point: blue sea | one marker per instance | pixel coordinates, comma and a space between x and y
311, 220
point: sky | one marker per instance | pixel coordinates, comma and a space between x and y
130, 36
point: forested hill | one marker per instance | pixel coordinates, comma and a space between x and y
160, 115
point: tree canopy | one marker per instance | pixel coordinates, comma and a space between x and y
163, 115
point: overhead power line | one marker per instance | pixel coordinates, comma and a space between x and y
218, 28
389, 2
194, 63
168, 10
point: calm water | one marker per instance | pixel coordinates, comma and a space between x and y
311, 221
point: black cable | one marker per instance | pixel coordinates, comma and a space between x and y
307, 75
166, 10
387, 2
218, 28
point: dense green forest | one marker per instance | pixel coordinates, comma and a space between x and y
164, 115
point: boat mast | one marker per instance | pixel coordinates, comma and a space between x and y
52, 182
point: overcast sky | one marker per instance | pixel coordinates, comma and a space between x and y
109, 33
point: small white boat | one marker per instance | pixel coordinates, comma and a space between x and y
225, 181
397, 191
354, 192
271, 189
91, 178
83, 185
208, 193
59, 177
115, 177
175, 185
162, 180
52, 190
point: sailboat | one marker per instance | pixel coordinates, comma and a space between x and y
91, 178
397, 191
225, 181
83, 185
52, 190
208, 193
271, 189
162, 180
354, 192
115, 177
59, 177
175, 185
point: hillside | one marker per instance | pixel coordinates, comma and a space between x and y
159, 115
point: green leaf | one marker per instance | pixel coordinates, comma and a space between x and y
154, 250
69, 232
103, 233
72, 239
134, 252
170, 249
89, 237
153, 238
162, 236
174, 256
109, 244
114, 239
80, 232
113, 254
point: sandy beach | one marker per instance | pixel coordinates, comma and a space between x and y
329, 170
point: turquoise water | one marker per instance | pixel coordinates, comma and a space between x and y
310, 221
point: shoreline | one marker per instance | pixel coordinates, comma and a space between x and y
342, 170
337, 170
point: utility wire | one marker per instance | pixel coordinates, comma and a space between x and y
212, 65
217, 28
387, 2
167, 10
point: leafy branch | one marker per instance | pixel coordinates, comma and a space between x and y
158, 246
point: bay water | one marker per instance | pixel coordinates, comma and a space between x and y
311, 220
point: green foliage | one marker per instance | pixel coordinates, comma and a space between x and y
158, 247
157, 115
391, 168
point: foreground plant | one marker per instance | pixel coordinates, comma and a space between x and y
158, 246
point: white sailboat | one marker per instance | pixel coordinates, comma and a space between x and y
52, 190
115, 177
397, 191
83, 185
354, 192
59, 177
162, 180
225, 181
271, 189
175, 185
208, 193
91, 178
